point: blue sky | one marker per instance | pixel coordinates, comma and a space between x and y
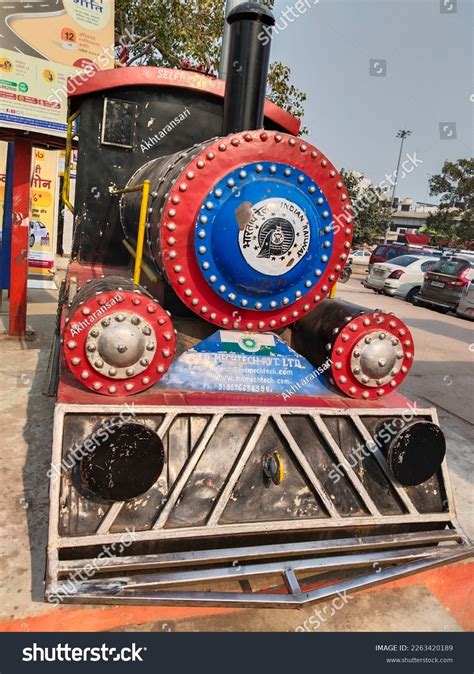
354, 116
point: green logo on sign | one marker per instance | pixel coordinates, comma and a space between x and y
23, 87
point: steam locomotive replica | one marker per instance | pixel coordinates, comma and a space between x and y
226, 431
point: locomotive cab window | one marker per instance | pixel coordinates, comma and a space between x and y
118, 123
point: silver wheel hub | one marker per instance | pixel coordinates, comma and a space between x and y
376, 358
121, 345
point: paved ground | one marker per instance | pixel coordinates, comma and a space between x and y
441, 600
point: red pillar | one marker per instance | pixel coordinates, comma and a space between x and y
20, 237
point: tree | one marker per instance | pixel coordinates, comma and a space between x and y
454, 221
169, 32
372, 214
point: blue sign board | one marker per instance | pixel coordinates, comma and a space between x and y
245, 362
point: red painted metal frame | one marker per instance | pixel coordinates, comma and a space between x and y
70, 391
20, 238
182, 209
144, 307
169, 77
348, 338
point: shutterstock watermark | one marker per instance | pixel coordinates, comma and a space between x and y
69, 588
365, 449
67, 653
80, 450
321, 615
368, 197
99, 62
286, 16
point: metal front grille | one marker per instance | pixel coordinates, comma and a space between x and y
211, 499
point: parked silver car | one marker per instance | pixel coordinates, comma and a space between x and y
466, 303
402, 276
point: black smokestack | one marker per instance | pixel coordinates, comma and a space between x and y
247, 68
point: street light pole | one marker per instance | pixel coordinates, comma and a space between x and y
403, 133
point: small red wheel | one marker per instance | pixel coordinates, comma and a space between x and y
371, 355
118, 341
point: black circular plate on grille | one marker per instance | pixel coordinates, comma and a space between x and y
416, 452
124, 465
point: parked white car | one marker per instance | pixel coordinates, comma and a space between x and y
360, 255
401, 277
466, 303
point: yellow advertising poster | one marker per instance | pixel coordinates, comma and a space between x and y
44, 43
43, 212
